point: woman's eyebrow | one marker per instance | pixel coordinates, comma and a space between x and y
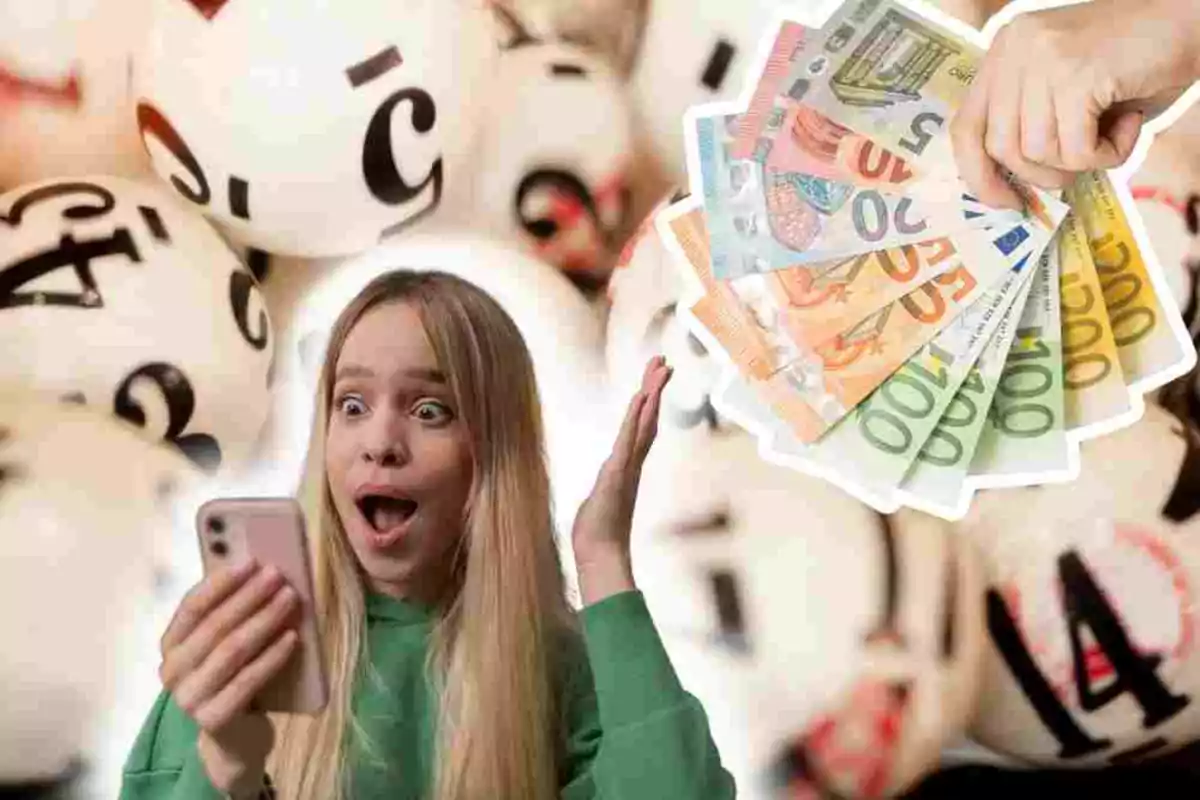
352, 371
426, 374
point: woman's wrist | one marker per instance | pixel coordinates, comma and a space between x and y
603, 573
232, 777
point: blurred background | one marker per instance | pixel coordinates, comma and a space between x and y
176, 238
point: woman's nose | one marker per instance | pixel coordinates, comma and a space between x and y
384, 444
385, 455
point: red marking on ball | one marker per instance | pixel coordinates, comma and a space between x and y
15, 90
208, 8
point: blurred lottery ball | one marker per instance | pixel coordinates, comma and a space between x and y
645, 294
118, 295
65, 103
850, 643
315, 128
553, 169
690, 53
1092, 588
85, 508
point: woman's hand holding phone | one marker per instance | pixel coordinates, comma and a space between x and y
232, 633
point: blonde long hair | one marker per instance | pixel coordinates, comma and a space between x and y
490, 650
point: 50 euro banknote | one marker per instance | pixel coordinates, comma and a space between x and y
761, 219
816, 303
876, 444
820, 386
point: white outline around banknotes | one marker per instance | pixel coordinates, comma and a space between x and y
730, 374
816, 17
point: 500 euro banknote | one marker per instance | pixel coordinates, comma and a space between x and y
760, 219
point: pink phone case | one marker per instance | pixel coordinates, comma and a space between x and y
271, 531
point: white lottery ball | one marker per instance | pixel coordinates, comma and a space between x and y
645, 291
85, 508
1094, 639
851, 641
553, 171
691, 53
65, 102
315, 128
119, 294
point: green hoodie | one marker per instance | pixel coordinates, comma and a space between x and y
633, 732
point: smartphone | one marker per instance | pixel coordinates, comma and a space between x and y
271, 531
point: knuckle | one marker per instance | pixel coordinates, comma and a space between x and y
187, 702
235, 650
208, 718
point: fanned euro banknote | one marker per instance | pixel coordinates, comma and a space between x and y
881, 327
762, 219
936, 481
1025, 438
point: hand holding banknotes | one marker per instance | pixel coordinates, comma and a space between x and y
1066, 90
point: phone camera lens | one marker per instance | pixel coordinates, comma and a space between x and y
219, 549
216, 525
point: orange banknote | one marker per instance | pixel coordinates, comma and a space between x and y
819, 385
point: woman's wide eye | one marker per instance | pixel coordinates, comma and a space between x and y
351, 405
432, 411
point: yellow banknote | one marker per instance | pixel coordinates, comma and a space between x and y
1093, 381
1146, 341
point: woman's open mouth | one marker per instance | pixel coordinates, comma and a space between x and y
388, 516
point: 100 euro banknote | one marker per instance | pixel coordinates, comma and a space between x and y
1025, 440
816, 390
936, 481
760, 219
875, 445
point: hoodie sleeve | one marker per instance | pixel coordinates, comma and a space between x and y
633, 732
164, 763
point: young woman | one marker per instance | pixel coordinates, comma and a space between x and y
457, 669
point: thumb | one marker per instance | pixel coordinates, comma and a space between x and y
1114, 147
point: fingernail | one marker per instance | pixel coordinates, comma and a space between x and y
271, 573
245, 568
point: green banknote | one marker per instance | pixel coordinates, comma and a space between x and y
1025, 440
935, 483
